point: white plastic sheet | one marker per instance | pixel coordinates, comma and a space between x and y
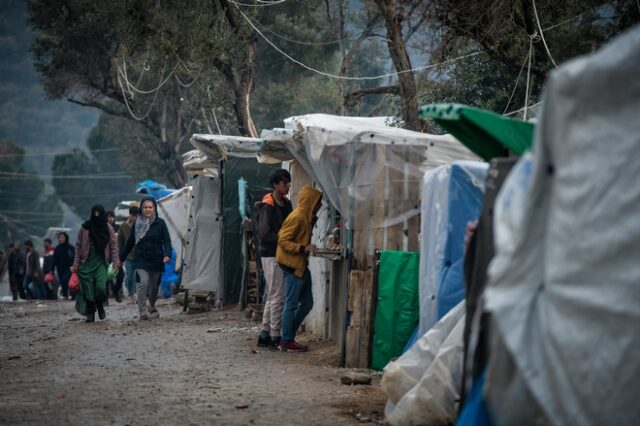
442, 233
352, 158
433, 231
422, 386
202, 258
564, 285
174, 209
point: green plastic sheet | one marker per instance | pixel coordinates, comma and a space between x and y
397, 311
485, 133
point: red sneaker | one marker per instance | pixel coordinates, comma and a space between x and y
292, 346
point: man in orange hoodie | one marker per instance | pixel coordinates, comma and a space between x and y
274, 209
294, 248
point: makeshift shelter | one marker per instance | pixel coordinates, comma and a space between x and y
235, 158
370, 173
451, 197
563, 290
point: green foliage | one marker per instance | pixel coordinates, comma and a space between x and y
82, 180
502, 31
35, 125
26, 211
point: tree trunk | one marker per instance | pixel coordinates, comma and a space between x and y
398, 51
243, 89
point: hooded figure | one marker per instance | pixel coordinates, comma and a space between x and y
294, 248
151, 245
63, 256
96, 247
98, 229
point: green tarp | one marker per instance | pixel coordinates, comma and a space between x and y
485, 133
397, 310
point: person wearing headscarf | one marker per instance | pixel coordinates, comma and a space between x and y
151, 245
96, 248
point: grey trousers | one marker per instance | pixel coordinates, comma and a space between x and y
146, 284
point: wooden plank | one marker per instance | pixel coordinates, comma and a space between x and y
352, 352
415, 186
366, 320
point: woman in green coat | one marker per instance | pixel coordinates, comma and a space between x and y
96, 247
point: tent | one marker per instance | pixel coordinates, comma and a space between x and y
563, 290
234, 158
370, 173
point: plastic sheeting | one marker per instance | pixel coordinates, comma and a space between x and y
353, 158
397, 307
564, 284
154, 189
451, 197
202, 258
174, 209
466, 190
422, 385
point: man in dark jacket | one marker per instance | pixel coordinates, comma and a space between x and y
16, 265
274, 209
33, 283
63, 257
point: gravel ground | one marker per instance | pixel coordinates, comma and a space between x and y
56, 369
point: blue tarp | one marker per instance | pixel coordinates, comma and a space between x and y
154, 189
466, 189
169, 277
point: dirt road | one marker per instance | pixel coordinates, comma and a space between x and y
183, 369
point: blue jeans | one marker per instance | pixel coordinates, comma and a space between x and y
38, 288
298, 301
130, 277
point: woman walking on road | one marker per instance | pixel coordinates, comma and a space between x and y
151, 245
96, 247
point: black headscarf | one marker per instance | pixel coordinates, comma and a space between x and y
98, 229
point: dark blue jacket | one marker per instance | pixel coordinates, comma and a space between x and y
149, 251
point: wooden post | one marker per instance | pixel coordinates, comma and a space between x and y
358, 348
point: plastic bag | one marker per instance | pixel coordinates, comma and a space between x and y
74, 282
111, 273
49, 278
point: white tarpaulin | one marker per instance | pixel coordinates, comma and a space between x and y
564, 285
174, 209
353, 157
202, 258
422, 386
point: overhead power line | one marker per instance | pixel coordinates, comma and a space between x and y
12, 175
54, 153
342, 77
